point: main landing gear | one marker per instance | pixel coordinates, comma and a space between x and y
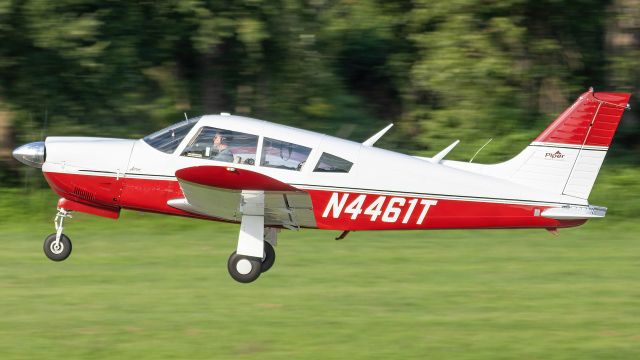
254, 254
57, 246
246, 269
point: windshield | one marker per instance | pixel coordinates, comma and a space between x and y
168, 139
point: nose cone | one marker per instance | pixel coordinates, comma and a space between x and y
32, 154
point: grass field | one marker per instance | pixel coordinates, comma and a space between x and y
154, 287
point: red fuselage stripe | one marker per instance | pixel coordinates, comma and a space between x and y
333, 209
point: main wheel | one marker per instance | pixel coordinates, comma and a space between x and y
244, 269
269, 257
59, 251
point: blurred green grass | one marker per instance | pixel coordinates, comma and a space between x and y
154, 287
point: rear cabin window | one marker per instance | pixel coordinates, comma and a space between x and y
332, 163
168, 139
283, 155
223, 145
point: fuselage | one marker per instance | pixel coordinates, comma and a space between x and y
366, 188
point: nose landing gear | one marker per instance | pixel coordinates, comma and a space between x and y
57, 246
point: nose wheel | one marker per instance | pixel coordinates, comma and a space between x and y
57, 246
57, 250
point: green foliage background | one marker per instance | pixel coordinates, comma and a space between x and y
441, 70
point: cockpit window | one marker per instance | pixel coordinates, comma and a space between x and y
283, 155
332, 163
168, 139
223, 145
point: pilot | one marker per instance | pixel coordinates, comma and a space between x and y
221, 148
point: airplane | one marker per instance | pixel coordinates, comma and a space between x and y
268, 177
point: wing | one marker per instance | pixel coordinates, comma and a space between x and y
220, 192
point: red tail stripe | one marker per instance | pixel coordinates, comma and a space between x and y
574, 126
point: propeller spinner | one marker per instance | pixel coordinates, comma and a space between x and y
32, 154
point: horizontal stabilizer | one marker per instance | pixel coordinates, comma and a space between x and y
575, 212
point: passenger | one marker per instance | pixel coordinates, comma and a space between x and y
221, 148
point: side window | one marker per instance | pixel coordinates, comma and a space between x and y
332, 163
223, 145
283, 155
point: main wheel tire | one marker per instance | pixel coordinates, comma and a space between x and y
60, 252
269, 257
244, 269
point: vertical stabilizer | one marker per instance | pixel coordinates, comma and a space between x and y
567, 156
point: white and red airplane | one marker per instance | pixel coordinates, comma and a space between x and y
267, 177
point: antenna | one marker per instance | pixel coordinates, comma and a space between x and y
482, 147
372, 140
185, 116
439, 156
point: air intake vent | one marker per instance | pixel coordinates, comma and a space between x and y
83, 194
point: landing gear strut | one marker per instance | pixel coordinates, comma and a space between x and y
57, 246
254, 253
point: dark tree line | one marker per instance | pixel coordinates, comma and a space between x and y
441, 70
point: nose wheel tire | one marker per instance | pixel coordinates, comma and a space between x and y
244, 269
269, 257
57, 251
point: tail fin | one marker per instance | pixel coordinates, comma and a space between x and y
567, 156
